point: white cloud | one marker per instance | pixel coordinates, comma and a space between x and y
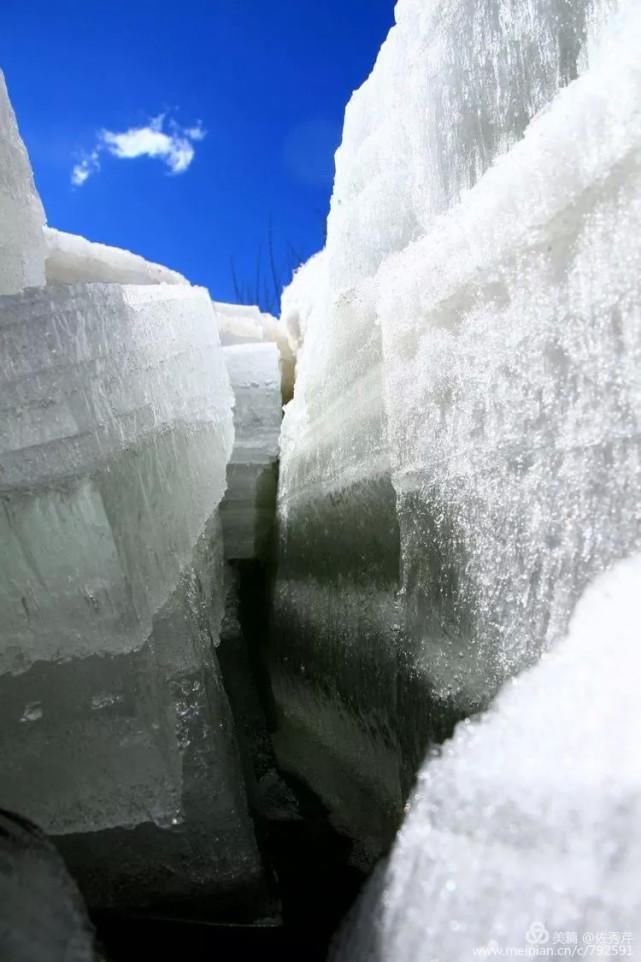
85, 168
174, 146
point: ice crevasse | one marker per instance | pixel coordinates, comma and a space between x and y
459, 483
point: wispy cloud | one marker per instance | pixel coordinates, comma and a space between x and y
164, 140
83, 170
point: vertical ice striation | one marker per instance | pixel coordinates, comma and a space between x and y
247, 515
22, 246
247, 511
512, 345
529, 823
116, 733
462, 452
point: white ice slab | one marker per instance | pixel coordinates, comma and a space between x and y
22, 247
72, 259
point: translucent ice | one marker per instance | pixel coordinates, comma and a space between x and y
461, 455
116, 733
529, 823
246, 324
22, 247
42, 916
72, 259
248, 509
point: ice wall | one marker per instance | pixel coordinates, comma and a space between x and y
71, 259
116, 734
525, 832
248, 508
22, 248
461, 455
246, 324
42, 916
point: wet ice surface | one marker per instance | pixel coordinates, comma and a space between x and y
529, 822
116, 732
461, 456
42, 916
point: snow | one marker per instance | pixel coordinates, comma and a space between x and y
22, 216
72, 259
461, 454
531, 814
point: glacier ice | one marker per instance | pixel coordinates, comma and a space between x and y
71, 259
246, 324
248, 507
461, 455
116, 732
528, 823
22, 247
42, 916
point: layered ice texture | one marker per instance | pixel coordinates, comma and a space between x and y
116, 734
246, 324
527, 828
247, 511
461, 456
22, 217
71, 259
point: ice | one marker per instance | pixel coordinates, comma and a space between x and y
238, 323
529, 823
246, 324
22, 249
72, 260
461, 456
247, 511
116, 734
42, 916
454, 86
512, 340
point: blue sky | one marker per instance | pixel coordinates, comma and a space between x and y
266, 80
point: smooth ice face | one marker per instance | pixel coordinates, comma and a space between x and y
73, 260
42, 916
116, 733
529, 822
22, 247
109, 394
461, 455
247, 511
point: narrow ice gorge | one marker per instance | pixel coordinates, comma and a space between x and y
211, 613
117, 736
461, 456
